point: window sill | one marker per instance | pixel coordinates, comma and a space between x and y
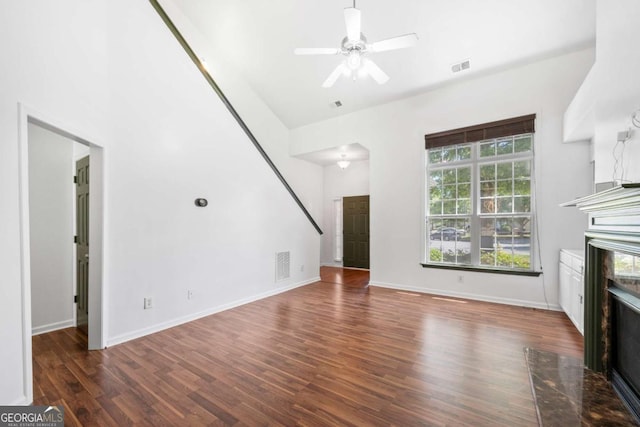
482, 269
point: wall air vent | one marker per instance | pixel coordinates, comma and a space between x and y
335, 104
461, 66
283, 270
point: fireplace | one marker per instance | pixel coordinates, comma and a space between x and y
625, 350
612, 289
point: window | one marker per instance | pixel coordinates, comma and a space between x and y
479, 210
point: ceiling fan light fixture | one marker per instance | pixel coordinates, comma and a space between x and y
355, 48
354, 60
343, 163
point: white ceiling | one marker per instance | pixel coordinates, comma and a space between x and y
330, 156
257, 38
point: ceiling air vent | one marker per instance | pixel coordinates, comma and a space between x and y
461, 66
283, 270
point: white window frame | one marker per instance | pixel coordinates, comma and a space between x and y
476, 216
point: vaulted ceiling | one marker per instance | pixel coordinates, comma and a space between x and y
257, 38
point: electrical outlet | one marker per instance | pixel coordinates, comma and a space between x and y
461, 279
189, 294
148, 303
302, 268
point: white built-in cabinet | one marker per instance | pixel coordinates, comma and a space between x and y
572, 285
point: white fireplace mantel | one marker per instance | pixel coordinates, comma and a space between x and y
616, 209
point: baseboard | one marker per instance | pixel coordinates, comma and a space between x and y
208, 312
464, 295
52, 327
22, 401
339, 265
331, 264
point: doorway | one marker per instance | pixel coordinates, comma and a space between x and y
355, 223
29, 119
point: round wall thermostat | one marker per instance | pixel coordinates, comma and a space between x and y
201, 203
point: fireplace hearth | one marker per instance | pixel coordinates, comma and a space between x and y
612, 289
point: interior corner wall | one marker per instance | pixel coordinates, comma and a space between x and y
51, 229
111, 72
339, 183
394, 134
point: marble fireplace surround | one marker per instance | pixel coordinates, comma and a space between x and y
614, 226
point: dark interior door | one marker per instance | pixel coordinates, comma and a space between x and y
355, 231
82, 244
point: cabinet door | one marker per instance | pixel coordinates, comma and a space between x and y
577, 306
565, 288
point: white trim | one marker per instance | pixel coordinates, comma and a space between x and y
465, 295
52, 327
22, 401
208, 312
25, 253
332, 264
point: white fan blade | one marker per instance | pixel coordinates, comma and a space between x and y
334, 75
399, 42
375, 72
316, 51
352, 20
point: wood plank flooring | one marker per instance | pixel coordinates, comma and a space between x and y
336, 352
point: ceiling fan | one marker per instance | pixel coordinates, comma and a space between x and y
355, 48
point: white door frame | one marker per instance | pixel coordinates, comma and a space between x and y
97, 301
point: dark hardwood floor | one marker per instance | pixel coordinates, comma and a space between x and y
336, 352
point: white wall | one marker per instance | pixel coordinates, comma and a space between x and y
51, 229
115, 75
394, 134
339, 183
618, 69
304, 177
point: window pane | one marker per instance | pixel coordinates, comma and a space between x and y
449, 241
522, 144
488, 149
435, 193
464, 174
522, 169
435, 208
487, 205
449, 176
448, 154
464, 207
505, 205
522, 204
522, 187
505, 188
487, 189
464, 152
449, 192
505, 146
436, 177
488, 257
488, 172
435, 155
464, 191
449, 207
505, 170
